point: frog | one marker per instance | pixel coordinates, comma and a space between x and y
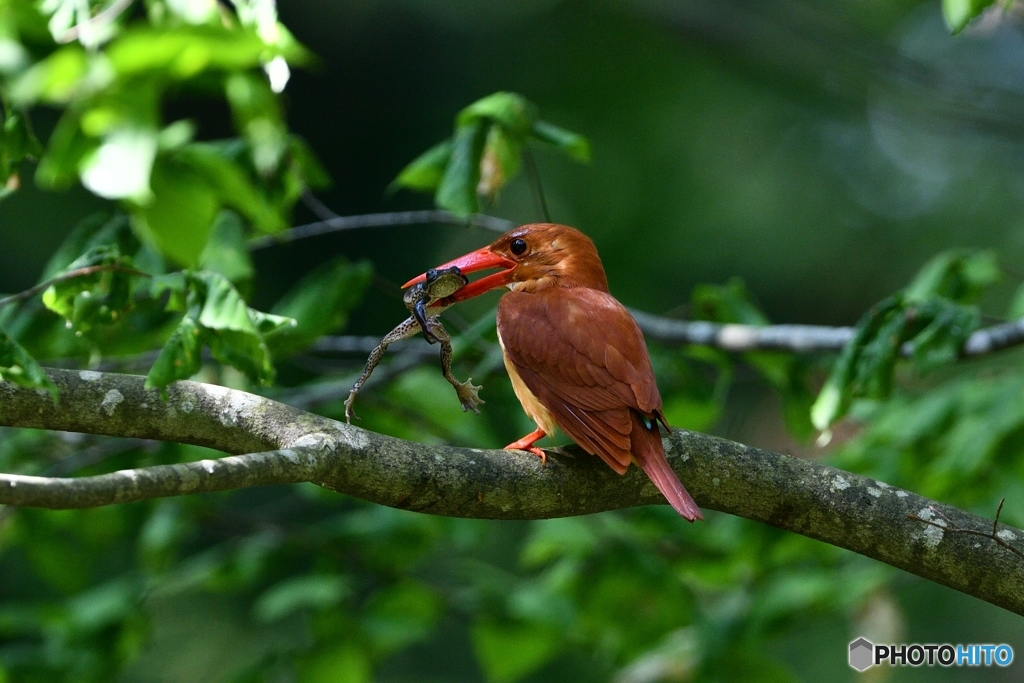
425, 301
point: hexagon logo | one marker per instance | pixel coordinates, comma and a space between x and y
862, 654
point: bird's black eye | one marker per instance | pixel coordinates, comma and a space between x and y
517, 247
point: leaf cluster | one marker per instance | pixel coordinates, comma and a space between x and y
929, 321
485, 152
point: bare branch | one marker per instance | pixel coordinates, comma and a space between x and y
70, 275
840, 508
801, 338
381, 220
732, 337
729, 337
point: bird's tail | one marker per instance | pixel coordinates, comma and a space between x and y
649, 454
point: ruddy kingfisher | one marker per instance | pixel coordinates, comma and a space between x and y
576, 357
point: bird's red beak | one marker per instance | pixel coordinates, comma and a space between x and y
481, 259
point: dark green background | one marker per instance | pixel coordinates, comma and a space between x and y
822, 151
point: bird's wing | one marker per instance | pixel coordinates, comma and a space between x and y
582, 355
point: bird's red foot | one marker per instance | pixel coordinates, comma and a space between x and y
526, 444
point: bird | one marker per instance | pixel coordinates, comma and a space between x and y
576, 357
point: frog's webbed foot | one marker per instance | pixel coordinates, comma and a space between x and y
469, 395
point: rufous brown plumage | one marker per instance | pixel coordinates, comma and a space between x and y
576, 357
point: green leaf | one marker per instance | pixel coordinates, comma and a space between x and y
105, 605
232, 185
864, 358
320, 303
190, 186
511, 111
268, 323
508, 652
176, 286
573, 144
935, 330
958, 13
18, 366
93, 298
230, 330
17, 143
226, 251
485, 152
961, 275
120, 167
728, 303
219, 318
425, 172
930, 315
312, 591
345, 663
179, 219
942, 339
185, 51
181, 356
457, 191
257, 115
67, 73
68, 145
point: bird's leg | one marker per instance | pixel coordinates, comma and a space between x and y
407, 328
526, 444
468, 393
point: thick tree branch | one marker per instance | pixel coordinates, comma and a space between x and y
840, 508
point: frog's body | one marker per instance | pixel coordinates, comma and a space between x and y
425, 301
438, 285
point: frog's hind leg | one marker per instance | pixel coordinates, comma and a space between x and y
468, 393
419, 311
406, 329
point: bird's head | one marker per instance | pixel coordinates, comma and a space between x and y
531, 258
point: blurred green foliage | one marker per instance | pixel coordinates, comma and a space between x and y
298, 584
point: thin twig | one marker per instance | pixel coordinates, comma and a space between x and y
538, 189
381, 220
313, 203
70, 275
950, 525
